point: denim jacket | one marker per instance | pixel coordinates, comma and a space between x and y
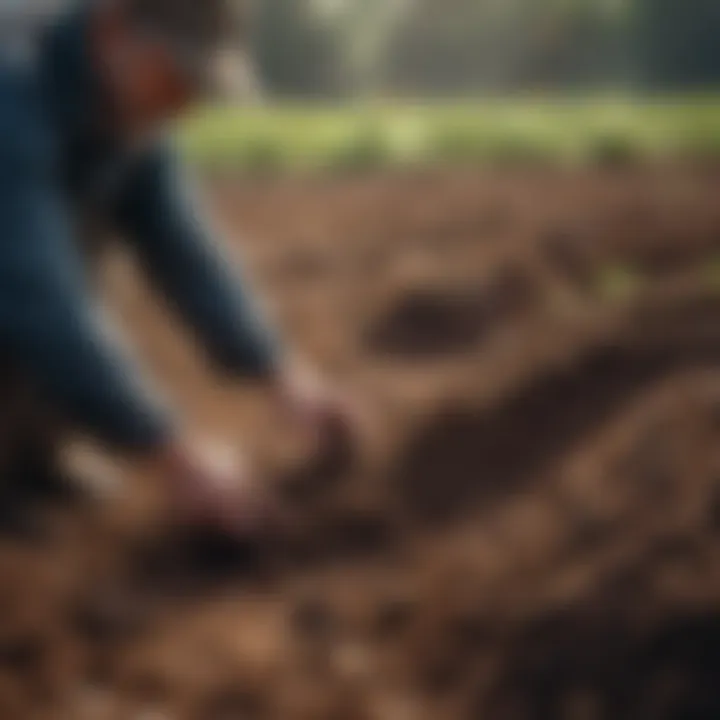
59, 167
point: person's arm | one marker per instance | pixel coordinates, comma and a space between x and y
159, 215
183, 258
50, 323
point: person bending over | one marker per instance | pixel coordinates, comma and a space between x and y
84, 157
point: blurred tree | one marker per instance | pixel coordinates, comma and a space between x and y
366, 28
297, 52
577, 43
433, 48
442, 48
461, 45
677, 42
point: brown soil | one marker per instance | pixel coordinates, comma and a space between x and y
531, 529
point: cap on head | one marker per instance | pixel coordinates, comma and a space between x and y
206, 36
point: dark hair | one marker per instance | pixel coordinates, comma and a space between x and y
207, 23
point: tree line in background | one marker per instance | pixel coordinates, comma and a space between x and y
332, 48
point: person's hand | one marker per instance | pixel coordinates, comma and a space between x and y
329, 419
209, 487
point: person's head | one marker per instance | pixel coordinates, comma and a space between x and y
157, 57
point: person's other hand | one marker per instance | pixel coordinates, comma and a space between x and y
329, 418
210, 487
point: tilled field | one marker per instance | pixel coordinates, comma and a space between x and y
531, 529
